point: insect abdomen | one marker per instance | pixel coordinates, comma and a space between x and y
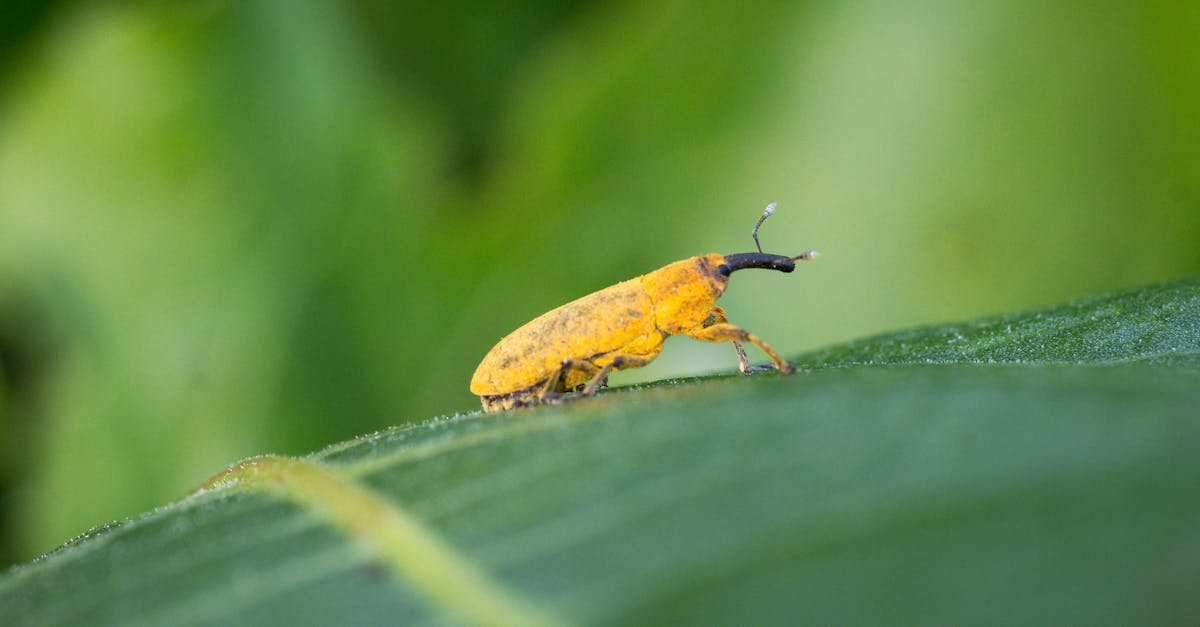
592, 326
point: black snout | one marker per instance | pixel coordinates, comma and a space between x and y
742, 261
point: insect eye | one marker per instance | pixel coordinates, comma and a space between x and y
723, 269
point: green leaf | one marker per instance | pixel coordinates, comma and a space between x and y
1156, 324
1037, 467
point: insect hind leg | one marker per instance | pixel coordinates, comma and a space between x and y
555, 388
598, 376
618, 362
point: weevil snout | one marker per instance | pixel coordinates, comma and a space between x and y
765, 261
741, 261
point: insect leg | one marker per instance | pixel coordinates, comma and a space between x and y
717, 316
556, 383
743, 363
725, 332
618, 362
549, 391
588, 369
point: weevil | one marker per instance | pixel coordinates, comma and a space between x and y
569, 352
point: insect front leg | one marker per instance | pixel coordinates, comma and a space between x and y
743, 363
717, 316
725, 332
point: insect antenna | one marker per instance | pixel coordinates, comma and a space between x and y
766, 214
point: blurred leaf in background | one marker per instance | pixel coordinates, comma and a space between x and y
223, 223
190, 197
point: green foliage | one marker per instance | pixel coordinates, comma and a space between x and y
1037, 467
1155, 324
236, 227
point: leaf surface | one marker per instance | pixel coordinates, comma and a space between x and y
1039, 466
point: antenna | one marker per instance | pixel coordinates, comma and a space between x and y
766, 214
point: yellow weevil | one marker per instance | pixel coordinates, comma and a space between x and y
576, 346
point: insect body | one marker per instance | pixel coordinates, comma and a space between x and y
574, 348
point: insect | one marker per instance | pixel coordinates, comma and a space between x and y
569, 352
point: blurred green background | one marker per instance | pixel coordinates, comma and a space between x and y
231, 228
